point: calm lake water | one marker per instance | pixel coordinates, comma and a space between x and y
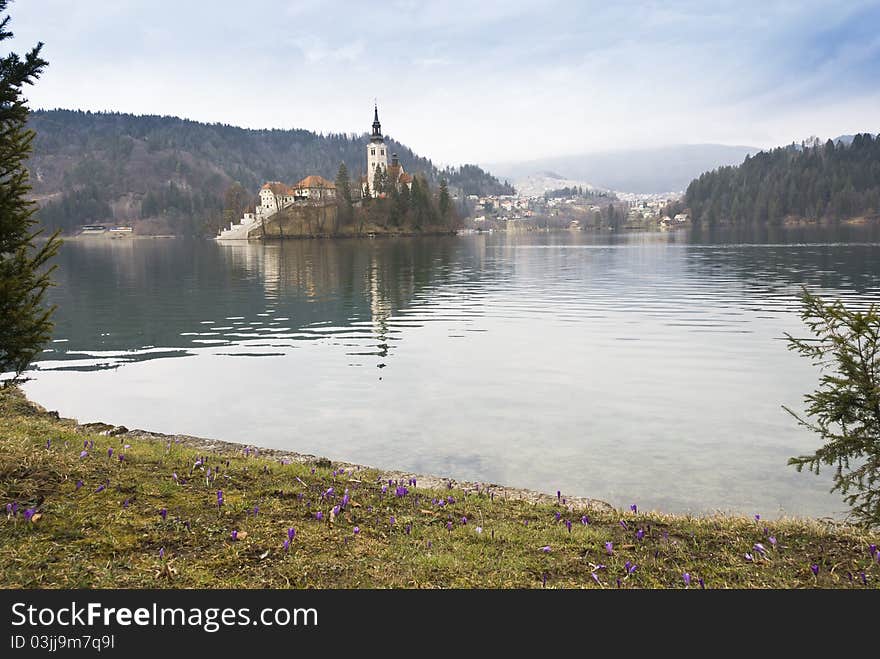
635, 368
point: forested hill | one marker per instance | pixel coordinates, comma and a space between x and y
831, 181
170, 175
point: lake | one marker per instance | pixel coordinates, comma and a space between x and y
644, 368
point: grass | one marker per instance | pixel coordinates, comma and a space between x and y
80, 537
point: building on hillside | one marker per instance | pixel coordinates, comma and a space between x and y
314, 188
377, 160
274, 196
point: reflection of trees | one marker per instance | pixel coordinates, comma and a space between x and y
344, 283
778, 260
125, 295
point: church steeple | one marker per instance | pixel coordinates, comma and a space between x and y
377, 127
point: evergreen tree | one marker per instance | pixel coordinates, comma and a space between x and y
25, 323
444, 201
343, 195
845, 410
378, 181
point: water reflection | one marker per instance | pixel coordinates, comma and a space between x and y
631, 367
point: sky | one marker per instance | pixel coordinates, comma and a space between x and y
474, 81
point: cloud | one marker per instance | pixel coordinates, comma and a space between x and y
465, 81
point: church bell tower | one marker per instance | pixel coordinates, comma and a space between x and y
377, 153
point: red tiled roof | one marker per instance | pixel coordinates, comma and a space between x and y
315, 181
277, 188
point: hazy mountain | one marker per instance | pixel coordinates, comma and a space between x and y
541, 182
170, 175
661, 169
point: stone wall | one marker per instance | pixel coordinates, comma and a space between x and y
301, 220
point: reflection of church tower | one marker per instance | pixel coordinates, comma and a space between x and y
380, 309
376, 152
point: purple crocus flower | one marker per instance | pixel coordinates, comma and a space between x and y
558, 516
162, 553
757, 518
125, 503
8, 509
634, 508
335, 512
448, 526
291, 533
595, 578
759, 548
772, 540
585, 520
623, 524
815, 569
392, 520
401, 491
609, 548
286, 544
702, 584
687, 579
174, 476
479, 530
121, 457
568, 525
357, 530
234, 535
627, 566
219, 498
408, 528
79, 484
384, 489
450, 500
256, 510
83, 454
110, 452
864, 578
749, 557
14, 508
640, 534
163, 513
319, 515
872, 549
28, 513
558, 495
100, 488
48, 443
464, 520
345, 500
546, 549
544, 580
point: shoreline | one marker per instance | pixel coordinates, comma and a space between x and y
430, 481
94, 505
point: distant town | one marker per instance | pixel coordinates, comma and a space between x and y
576, 208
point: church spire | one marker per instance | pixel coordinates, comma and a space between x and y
377, 127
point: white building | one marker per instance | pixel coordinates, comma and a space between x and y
377, 158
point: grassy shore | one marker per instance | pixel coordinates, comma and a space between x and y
92, 510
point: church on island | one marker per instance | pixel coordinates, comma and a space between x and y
315, 190
378, 168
